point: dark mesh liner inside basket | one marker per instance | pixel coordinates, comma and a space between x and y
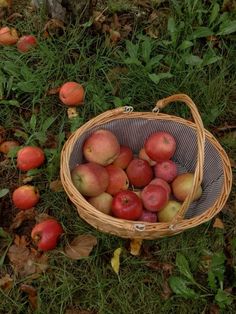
133, 133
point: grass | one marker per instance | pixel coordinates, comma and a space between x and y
203, 69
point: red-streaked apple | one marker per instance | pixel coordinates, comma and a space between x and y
168, 212
124, 158
102, 147
143, 155
127, 205
90, 179
163, 183
71, 94
182, 185
148, 216
118, 180
154, 197
160, 146
139, 173
25, 43
102, 202
166, 170
25, 197
30, 157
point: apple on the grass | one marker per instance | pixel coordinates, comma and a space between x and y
102, 147
90, 179
168, 212
30, 157
182, 185
25, 197
118, 179
102, 202
124, 158
143, 155
127, 205
166, 170
163, 183
139, 172
25, 43
8, 36
160, 146
72, 94
154, 197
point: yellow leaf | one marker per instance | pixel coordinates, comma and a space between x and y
135, 246
115, 261
218, 224
72, 113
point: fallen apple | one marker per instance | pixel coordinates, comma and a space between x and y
168, 212
102, 147
30, 157
182, 186
166, 170
90, 179
154, 197
118, 180
127, 205
160, 146
8, 36
25, 43
25, 197
139, 172
124, 158
46, 234
6, 146
71, 94
102, 202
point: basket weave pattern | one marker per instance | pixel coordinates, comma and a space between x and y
197, 151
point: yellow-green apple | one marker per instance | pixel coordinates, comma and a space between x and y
102, 202
168, 212
8, 36
139, 172
118, 179
160, 146
102, 147
25, 197
90, 179
182, 185
154, 197
124, 158
166, 170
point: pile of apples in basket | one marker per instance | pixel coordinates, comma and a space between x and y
143, 187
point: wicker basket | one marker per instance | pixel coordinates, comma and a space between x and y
197, 151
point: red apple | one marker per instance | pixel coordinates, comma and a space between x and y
182, 186
148, 216
25, 197
6, 146
127, 205
102, 147
163, 183
102, 202
143, 155
30, 157
72, 94
168, 212
90, 179
124, 158
46, 234
139, 172
118, 180
25, 43
160, 146
166, 170
154, 197
8, 36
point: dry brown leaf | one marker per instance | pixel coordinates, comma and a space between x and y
80, 247
22, 216
26, 179
218, 223
6, 282
53, 91
43, 216
166, 291
56, 186
232, 162
32, 295
165, 267
54, 26
72, 113
2, 134
214, 309
135, 246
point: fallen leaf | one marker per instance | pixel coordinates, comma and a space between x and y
165, 267
115, 36
26, 179
5, 3
166, 291
43, 216
135, 246
54, 26
56, 186
32, 295
232, 162
214, 309
22, 216
6, 282
14, 16
53, 91
72, 113
80, 247
115, 260
218, 224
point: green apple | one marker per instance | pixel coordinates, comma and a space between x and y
168, 212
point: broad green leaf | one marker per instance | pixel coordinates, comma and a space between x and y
132, 49
216, 270
33, 121
185, 45
28, 87
47, 123
11, 102
228, 27
132, 61
180, 287
202, 31
223, 298
183, 266
146, 49
192, 60
160, 76
211, 60
11, 69
154, 62
172, 29
26, 73
4, 192
214, 13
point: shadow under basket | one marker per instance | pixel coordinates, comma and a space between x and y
197, 151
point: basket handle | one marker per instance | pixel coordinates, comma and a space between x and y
198, 175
